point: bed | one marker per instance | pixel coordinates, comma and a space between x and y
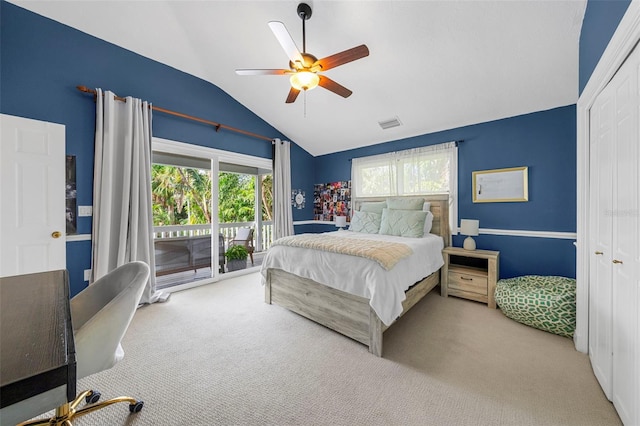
332, 296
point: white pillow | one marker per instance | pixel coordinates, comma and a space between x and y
428, 223
367, 222
403, 223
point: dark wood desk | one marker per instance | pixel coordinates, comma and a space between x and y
37, 352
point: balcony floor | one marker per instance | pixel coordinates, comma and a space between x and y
170, 280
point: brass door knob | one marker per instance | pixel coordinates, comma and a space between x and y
56, 234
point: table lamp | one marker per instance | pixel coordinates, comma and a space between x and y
341, 221
469, 227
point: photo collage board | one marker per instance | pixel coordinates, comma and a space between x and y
331, 199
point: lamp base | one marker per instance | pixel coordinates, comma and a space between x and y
469, 244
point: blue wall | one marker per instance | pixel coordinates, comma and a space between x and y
43, 61
543, 141
600, 22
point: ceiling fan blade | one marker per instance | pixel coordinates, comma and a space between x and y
262, 72
293, 94
341, 58
285, 40
336, 88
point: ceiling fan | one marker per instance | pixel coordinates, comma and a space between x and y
304, 68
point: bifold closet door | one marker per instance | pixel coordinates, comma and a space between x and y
625, 214
614, 294
600, 238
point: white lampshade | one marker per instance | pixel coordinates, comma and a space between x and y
469, 227
341, 221
304, 80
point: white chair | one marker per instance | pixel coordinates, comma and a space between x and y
101, 315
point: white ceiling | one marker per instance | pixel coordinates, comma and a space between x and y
435, 65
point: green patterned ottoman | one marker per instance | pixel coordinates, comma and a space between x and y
544, 302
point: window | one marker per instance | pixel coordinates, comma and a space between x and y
419, 171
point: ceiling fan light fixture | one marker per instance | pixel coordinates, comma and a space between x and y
304, 80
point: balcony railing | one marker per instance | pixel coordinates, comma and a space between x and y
228, 231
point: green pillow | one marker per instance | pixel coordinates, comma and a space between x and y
373, 207
403, 223
367, 222
405, 203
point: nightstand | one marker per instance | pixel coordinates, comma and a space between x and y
470, 274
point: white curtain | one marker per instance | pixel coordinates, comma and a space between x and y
420, 171
282, 215
122, 209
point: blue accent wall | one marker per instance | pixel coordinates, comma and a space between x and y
545, 142
42, 62
601, 18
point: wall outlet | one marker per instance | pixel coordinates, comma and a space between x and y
87, 274
85, 211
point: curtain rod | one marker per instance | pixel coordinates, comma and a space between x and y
218, 126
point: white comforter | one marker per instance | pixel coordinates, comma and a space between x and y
360, 276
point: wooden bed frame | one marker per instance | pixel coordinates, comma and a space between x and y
344, 312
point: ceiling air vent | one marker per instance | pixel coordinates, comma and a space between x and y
387, 124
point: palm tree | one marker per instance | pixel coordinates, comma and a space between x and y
183, 196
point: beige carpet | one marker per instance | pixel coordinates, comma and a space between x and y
218, 355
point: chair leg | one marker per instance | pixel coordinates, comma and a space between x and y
98, 405
251, 256
67, 412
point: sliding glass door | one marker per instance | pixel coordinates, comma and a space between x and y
204, 201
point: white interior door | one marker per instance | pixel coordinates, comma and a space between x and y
32, 196
614, 287
626, 246
600, 294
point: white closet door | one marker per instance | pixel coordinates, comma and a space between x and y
614, 275
626, 246
600, 302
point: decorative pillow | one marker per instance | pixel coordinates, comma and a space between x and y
367, 222
426, 206
428, 223
405, 203
403, 223
373, 207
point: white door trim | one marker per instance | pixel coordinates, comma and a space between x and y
620, 46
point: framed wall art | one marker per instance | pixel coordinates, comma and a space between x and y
501, 185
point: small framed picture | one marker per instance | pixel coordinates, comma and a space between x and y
501, 185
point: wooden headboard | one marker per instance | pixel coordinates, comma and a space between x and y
439, 208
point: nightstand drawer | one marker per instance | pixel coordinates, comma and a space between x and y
469, 282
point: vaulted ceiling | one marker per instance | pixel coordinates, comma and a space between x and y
433, 65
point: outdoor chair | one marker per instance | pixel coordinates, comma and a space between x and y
244, 236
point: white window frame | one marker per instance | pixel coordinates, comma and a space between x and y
394, 182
